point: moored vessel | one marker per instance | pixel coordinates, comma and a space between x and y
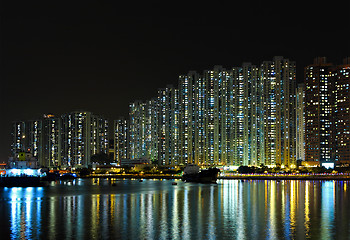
192, 173
22, 171
68, 176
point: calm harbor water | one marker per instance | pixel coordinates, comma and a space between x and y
156, 209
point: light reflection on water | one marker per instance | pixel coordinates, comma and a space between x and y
155, 209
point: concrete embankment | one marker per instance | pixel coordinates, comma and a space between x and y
338, 177
137, 176
289, 177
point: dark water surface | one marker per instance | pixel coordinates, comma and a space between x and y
156, 209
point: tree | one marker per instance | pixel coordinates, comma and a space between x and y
84, 172
100, 158
246, 169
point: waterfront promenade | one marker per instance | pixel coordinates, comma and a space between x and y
255, 176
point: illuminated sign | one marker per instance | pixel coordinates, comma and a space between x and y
328, 165
21, 156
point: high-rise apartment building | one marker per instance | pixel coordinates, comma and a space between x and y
242, 116
152, 130
300, 123
237, 100
83, 134
18, 137
278, 83
251, 115
211, 117
319, 89
99, 135
34, 139
51, 141
198, 119
27, 137
341, 79
137, 130
261, 114
66, 141
327, 114
168, 126
120, 140
217, 115
186, 115
143, 130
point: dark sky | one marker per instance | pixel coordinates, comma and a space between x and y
58, 57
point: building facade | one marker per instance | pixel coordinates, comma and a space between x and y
51, 139
18, 137
278, 82
120, 144
168, 126
300, 123
242, 116
83, 134
245, 115
27, 137
319, 124
341, 79
66, 141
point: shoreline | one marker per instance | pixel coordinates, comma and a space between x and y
305, 178
235, 177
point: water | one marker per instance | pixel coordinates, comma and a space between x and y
156, 209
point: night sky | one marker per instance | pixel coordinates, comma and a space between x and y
58, 57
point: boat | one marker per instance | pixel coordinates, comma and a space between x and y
21, 181
22, 171
68, 176
52, 176
192, 173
